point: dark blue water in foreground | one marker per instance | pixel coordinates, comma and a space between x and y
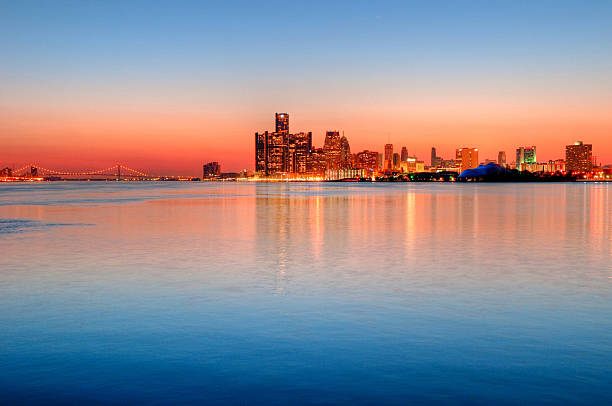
210, 293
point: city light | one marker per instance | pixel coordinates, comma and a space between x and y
283, 156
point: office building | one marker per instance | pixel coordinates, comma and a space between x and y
298, 152
333, 149
280, 152
346, 160
317, 162
211, 170
282, 123
579, 157
501, 158
388, 157
396, 161
261, 153
277, 153
525, 155
367, 160
436, 161
467, 158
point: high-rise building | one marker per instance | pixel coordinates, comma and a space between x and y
317, 162
345, 153
298, 152
282, 123
271, 149
404, 156
261, 153
211, 170
501, 158
436, 161
467, 158
579, 157
388, 157
367, 160
396, 161
525, 155
277, 153
333, 149
283, 153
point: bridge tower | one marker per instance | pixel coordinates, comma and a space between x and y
118, 172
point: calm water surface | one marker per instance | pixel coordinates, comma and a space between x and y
224, 293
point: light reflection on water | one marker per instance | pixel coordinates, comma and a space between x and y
305, 293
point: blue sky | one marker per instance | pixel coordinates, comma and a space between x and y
389, 59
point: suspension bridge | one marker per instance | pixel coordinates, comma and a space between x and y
118, 172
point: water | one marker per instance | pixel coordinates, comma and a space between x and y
225, 293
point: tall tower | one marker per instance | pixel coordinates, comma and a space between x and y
282, 123
333, 149
388, 157
345, 152
501, 158
467, 158
261, 153
404, 156
436, 161
525, 155
579, 157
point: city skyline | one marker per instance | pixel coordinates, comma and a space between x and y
305, 202
86, 85
300, 144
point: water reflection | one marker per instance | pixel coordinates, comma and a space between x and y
325, 293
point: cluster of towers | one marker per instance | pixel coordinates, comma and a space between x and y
281, 152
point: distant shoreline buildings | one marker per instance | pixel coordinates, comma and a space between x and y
285, 155
282, 154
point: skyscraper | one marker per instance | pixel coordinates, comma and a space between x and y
404, 156
525, 155
345, 153
277, 153
298, 152
271, 149
467, 158
436, 161
317, 162
501, 158
261, 153
282, 123
579, 157
396, 161
333, 150
388, 157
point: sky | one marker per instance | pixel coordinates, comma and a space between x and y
165, 86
